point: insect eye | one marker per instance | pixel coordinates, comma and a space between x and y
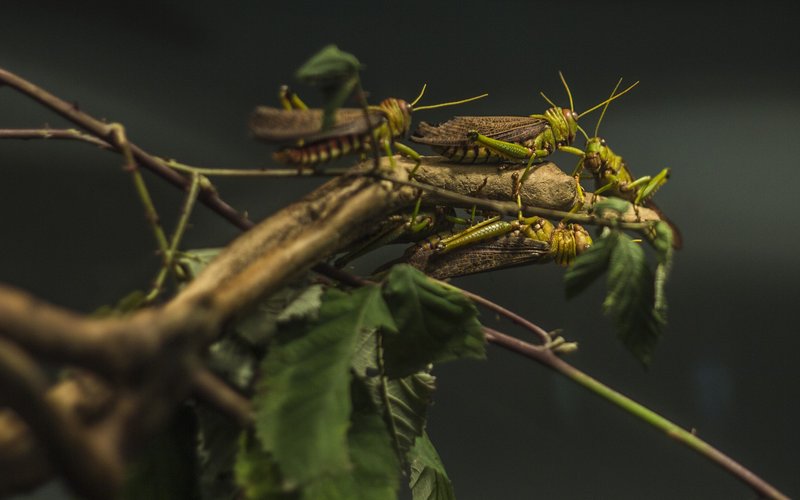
602, 142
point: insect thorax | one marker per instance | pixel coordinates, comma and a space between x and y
398, 116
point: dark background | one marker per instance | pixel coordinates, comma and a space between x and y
718, 103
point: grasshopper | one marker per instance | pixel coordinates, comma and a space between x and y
612, 176
565, 241
299, 128
497, 244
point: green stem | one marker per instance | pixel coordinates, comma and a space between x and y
547, 358
180, 229
117, 132
255, 172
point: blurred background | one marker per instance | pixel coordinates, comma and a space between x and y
718, 103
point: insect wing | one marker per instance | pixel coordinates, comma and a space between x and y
454, 132
500, 253
287, 125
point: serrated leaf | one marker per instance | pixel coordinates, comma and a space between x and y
302, 401
612, 204
375, 472
405, 401
258, 474
630, 299
590, 265
436, 323
408, 400
428, 479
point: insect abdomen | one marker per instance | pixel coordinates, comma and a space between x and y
322, 151
474, 153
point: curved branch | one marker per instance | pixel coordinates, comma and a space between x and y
548, 358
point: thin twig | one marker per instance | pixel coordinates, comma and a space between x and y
48, 133
118, 132
169, 255
104, 131
211, 389
547, 358
511, 208
543, 334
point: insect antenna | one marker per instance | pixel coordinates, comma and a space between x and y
603, 113
551, 103
569, 94
421, 92
451, 103
608, 100
580, 129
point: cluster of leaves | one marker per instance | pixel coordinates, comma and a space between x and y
344, 389
635, 297
341, 382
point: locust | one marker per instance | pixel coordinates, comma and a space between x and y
497, 244
613, 177
304, 143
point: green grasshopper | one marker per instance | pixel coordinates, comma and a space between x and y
612, 176
497, 244
299, 128
565, 241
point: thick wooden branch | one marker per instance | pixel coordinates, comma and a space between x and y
142, 350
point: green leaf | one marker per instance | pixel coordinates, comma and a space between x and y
302, 401
405, 401
436, 323
630, 299
612, 204
375, 472
329, 66
194, 261
663, 244
428, 479
588, 266
165, 468
258, 474
408, 400
663, 240
336, 72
